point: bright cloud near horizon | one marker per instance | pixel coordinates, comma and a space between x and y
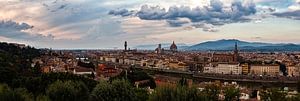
94, 24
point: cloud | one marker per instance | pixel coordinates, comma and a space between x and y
152, 13
14, 30
216, 13
216, 5
290, 14
63, 23
257, 38
178, 22
98, 31
206, 27
122, 12
280, 4
135, 27
86, 23
59, 8
294, 7
11, 25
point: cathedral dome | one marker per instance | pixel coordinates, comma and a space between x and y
173, 46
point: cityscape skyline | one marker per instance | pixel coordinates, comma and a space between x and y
94, 24
149, 50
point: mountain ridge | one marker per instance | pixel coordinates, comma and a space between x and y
228, 44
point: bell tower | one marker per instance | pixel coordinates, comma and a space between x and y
125, 46
236, 52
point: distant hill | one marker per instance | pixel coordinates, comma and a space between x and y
280, 47
228, 44
180, 46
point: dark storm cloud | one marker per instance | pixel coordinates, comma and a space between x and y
14, 30
216, 13
177, 22
59, 8
291, 14
11, 25
122, 12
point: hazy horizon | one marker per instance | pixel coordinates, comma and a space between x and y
155, 44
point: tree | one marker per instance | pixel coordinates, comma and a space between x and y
232, 94
67, 91
179, 93
42, 98
27, 96
37, 69
162, 94
19, 94
102, 92
273, 95
117, 90
17, 58
183, 82
136, 75
298, 86
6, 94
254, 94
7, 75
37, 85
294, 98
141, 94
213, 91
123, 90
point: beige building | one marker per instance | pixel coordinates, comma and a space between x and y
293, 70
144, 63
178, 65
228, 68
223, 68
209, 69
129, 61
160, 64
245, 69
271, 70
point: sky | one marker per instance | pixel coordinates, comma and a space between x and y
106, 24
